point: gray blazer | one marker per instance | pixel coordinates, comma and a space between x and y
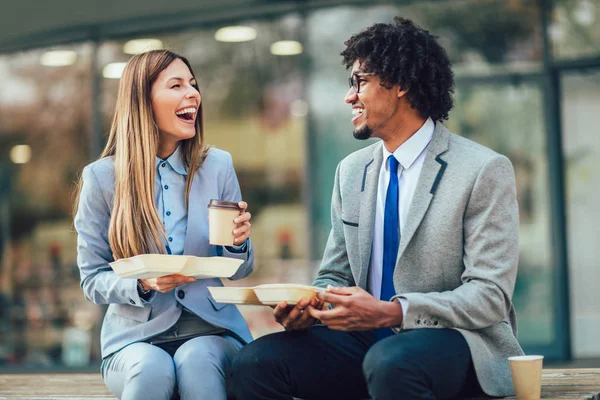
129, 319
458, 254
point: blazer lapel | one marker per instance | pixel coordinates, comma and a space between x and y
431, 174
368, 205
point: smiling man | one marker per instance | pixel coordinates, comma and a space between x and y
422, 256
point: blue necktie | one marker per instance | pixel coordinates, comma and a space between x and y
391, 239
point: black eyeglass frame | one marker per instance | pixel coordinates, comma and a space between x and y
354, 81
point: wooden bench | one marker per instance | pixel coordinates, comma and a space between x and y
557, 384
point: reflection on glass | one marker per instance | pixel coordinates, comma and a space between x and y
508, 119
574, 28
582, 151
487, 37
44, 141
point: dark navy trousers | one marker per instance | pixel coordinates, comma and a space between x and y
320, 363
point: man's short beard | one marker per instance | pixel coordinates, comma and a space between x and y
363, 133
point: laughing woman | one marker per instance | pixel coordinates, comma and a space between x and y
148, 193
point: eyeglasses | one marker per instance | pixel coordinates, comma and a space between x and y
355, 79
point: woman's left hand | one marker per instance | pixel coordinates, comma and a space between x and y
242, 231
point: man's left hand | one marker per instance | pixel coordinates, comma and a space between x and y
356, 310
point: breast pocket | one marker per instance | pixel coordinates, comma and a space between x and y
350, 220
139, 314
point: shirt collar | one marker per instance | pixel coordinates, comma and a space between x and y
408, 151
175, 160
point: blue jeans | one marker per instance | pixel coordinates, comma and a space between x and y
320, 363
197, 369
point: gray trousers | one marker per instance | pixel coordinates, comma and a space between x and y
198, 369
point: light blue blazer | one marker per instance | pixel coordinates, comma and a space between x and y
130, 319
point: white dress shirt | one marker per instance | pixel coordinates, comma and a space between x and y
410, 155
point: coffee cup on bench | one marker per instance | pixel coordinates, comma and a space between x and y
527, 376
220, 221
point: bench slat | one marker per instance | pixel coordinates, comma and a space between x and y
54, 386
558, 384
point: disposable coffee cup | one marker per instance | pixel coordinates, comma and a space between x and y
220, 221
527, 376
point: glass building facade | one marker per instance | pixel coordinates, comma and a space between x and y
527, 85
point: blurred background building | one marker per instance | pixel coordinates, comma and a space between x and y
527, 85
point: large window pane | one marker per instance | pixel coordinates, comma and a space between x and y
499, 36
257, 107
505, 117
574, 29
509, 120
581, 94
44, 141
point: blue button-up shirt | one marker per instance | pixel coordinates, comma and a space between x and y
169, 197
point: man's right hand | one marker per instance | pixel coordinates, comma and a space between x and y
294, 318
166, 283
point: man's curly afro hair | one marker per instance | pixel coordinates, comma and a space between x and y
405, 54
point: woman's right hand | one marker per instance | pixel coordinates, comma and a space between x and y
166, 283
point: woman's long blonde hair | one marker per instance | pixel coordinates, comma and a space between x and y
135, 227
